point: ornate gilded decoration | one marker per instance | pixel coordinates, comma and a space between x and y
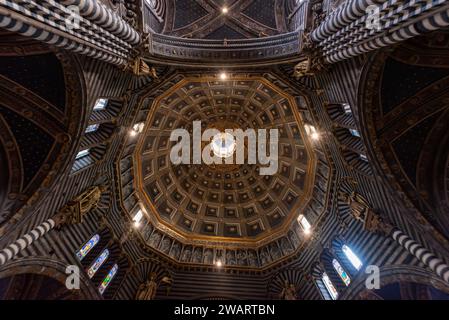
303, 69
140, 68
227, 199
75, 210
314, 62
206, 245
362, 211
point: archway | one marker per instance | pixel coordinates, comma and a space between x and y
41, 279
400, 283
404, 99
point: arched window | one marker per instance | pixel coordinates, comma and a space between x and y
138, 218
92, 128
312, 132
100, 104
341, 272
346, 108
352, 257
329, 286
137, 129
355, 132
305, 224
98, 263
82, 253
107, 280
82, 154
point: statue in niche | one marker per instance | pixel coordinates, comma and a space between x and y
147, 232
263, 257
286, 246
75, 210
362, 211
358, 206
89, 199
252, 259
147, 290
317, 14
293, 238
274, 251
165, 247
197, 255
186, 255
241, 257
288, 291
155, 238
174, 252
208, 257
230, 258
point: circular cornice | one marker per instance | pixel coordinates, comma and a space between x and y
197, 248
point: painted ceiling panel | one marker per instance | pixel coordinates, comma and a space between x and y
187, 12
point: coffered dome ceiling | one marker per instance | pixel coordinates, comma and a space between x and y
223, 206
227, 202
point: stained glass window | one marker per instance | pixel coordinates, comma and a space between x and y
87, 247
329, 286
341, 272
107, 280
352, 257
100, 104
98, 263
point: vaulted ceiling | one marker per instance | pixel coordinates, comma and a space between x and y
409, 120
36, 117
204, 19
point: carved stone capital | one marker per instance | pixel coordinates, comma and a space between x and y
141, 68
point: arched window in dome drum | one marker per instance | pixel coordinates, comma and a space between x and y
87, 247
107, 280
341, 272
101, 104
352, 257
98, 263
329, 286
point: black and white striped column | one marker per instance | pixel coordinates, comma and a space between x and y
25, 241
342, 16
425, 256
99, 14
434, 22
346, 32
49, 22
